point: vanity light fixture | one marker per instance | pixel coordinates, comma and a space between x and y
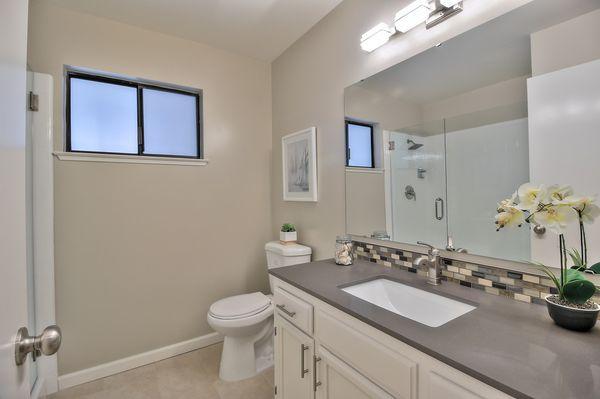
430, 12
444, 9
376, 37
412, 15
449, 3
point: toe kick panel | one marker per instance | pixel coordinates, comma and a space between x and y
386, 367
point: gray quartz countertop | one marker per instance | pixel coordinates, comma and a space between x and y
512, 346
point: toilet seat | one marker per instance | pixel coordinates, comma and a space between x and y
240, 306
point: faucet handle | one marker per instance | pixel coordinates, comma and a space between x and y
431, 247
433, 251
425, 244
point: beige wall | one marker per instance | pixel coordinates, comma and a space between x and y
497, 95
365, 191
143, 250
377, 107
567, 44
308, 88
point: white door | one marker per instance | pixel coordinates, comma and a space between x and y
14, 380
26, 217
294, 352
337, 380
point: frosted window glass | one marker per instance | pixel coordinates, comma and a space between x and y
169, 123
359, 144
103, 117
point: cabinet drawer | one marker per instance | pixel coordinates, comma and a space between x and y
386, 367
295, 310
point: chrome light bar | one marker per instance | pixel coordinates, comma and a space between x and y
442, 13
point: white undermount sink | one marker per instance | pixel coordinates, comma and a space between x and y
421, 306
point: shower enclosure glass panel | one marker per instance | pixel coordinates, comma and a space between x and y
487, 157
418, 184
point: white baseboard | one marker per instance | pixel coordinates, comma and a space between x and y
131, 362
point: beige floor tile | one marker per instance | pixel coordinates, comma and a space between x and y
211, 356
252, 388
80, 391
193, 375
269, 376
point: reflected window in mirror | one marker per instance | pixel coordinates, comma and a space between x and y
359, 145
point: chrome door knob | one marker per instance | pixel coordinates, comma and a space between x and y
47, 343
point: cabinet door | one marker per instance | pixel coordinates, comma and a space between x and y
441, 388
337, 380
294, 353
450, 384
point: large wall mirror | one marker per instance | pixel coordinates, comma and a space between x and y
460, 126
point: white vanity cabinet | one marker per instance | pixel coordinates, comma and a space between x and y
336, 379
294, 361
324, 353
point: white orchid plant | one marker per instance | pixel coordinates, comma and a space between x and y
554, 207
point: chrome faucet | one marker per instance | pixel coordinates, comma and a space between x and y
433, 262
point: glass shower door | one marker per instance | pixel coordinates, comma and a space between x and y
487, 158
418, 184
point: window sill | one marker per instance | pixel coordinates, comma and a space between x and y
357, 169
115, 158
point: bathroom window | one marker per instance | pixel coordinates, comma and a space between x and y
110, 115
359, 145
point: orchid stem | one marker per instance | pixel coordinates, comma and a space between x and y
584, 243
563, 260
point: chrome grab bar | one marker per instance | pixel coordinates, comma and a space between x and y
284, 310
439, 215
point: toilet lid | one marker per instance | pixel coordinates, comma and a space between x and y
240, 306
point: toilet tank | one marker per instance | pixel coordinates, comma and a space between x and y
280, 255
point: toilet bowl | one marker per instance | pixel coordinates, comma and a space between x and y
246, 321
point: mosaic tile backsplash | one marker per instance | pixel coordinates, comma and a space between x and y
515, 285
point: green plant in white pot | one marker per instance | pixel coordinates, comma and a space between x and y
554, 208
288, 233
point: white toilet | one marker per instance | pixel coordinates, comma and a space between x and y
246, 321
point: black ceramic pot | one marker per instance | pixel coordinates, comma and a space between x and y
573, 318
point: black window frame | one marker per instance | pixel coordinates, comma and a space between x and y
140, 85
370, 126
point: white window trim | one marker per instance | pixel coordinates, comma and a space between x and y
124, 158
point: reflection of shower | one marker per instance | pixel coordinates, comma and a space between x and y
413, 145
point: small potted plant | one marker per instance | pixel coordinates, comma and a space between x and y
554, 208
288, 233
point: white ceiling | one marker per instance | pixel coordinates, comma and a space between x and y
260, 29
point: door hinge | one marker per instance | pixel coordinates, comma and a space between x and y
34, 101
391, 145
275, 390
275, 331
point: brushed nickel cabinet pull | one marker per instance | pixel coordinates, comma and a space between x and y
316, 383
303, 371
284, 310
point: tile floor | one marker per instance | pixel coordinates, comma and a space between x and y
193, 375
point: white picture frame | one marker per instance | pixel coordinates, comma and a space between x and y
299, 156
